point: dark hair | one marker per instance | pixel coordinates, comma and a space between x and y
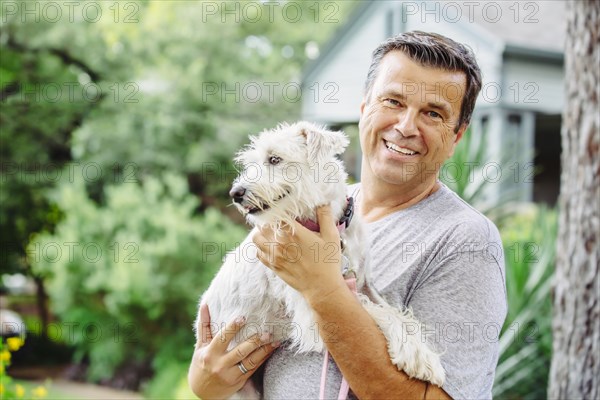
436, 51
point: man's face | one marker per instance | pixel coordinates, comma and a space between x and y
408, 120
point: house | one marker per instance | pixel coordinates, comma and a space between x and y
519, 47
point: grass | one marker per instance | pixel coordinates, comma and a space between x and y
52, 393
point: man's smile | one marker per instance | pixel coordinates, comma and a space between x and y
398, 149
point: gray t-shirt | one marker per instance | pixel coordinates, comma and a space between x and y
443, 259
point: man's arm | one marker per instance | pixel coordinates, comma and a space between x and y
352, 337
360, 351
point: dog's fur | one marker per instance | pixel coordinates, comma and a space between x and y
286, 174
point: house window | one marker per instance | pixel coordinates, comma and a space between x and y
485, 124
546, 186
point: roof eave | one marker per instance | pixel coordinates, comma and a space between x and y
337, 39
512, 51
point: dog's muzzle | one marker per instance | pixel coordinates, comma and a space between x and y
237, 193
240, 195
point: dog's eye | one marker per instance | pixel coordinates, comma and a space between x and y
274, 160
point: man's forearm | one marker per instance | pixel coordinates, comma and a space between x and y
360, 349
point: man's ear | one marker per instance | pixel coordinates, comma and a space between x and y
457, 137
322, 144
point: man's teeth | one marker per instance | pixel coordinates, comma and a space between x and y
399, 149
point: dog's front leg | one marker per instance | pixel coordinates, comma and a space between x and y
406, 345
303, 333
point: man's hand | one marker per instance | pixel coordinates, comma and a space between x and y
309, 262
214, 371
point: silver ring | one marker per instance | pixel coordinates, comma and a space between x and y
242, 368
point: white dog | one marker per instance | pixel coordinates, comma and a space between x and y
286, 174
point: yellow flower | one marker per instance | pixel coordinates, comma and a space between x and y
1, 388
5, 355
14, 343
19, 391
40, 392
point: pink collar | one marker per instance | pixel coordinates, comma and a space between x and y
342, 224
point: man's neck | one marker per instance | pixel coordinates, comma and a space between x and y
377, 200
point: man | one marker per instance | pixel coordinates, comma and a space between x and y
428, 249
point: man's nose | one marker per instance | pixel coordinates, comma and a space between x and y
237, 193
407, 123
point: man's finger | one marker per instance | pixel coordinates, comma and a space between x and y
259, 238
227, 333
271, 235
286, 229
244, 349
205, 331
327, 225
260, 355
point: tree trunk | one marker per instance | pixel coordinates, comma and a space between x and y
42, 305
575, 370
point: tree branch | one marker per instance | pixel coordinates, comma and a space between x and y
62, 54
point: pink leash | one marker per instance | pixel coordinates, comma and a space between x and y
345, 387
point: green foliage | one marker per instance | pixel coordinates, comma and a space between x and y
34, 135
134, 106
170, 382
127, 275
9, 388
133, 94
455, 172
526, 340
481, 176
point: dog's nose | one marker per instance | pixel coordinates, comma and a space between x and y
237, 193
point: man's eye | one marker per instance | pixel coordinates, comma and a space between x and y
434, 115
274, 160
392, 102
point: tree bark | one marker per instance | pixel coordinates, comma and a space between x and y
42, 305
575, 370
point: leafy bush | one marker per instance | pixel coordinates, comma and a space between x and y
526, 340
8, 388
482, 177
124, 276
170, 382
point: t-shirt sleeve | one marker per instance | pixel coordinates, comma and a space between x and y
461, 301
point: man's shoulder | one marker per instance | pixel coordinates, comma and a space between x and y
443, 215
461, 218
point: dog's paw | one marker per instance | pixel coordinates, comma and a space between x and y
406, 345
418, 361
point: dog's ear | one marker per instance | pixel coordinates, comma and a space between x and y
322, 144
